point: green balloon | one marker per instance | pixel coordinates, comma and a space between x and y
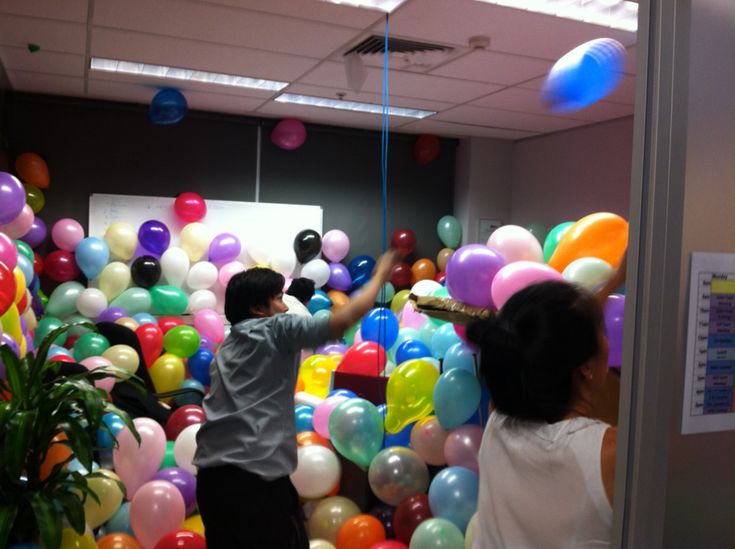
168, 457
437, 533
25, 250
78, 331
182, 341
386, 294
63, 300
554, 237
42, 297
449, 231
133, 301
34, 198
356, 430
349, 335
168, 301
426, 332
90, 344
45, 326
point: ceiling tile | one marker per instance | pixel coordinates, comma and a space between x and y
319, 115
66, 10
178, 52
52, 84
450, 129
224, 25
42, 61
496, 118
50, 35
489, 66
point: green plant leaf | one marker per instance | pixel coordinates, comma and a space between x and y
16, 441
8, 513
42, 351
109, 407
15, 372
47, 519
73, 509
80, 442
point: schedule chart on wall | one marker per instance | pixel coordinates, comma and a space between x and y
709, 393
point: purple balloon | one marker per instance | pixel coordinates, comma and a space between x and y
36, 234
289, 134
184, 481
224, 248
37, 305
205, 343
111, 314
384, 513
331, 348
462, 446
154, 236
470, 274
12, 198
339, 277
5, 339
614, 312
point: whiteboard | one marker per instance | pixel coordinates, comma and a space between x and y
258, 225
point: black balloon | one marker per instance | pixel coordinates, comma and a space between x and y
307, 245
146, 271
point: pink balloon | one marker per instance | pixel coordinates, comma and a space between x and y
516, 276
289, 134
94, 362
427, 440
461, 331
515, 243
462, 446
67, 233
322, 412
157, 508
8, 251
227, 271
358, 338
411, 318
335, 245
21, 224
136, 465
209, 324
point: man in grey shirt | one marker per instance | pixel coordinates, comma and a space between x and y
246, 448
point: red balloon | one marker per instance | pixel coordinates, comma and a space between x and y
182, 539
401, 276
411, 512
190, 207
403, 240
150, 337
190, 414
62, 358
7, 288
166, 323
366, 358
389, 544
37, 264
426, 149
60, 266
440, 277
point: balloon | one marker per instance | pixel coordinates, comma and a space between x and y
381, 326
319, 544
460, 355
384, 513
423, 269
361, 269
316, 270
427, 440
209, 324
184, 481
426, 149
167, 372
386, 294
202, 276
92, 362
60, 266
317, 471
614, 314
145, 271
37, 233
154, 236
122, 240
21, 248
339, 277
453, 495
409, 393
389, 544
338, 299
8, 251
168, 300
34, 198
310, 438
194, 524
322, 412
175, 266
397, 473
136, 464
365, 358
304, 418
443, 339
289, 134
71, 540
67, 234
283, 260
437, 533
45, 326
133, 301
123, 356
90, 344
167, 107
91, 255
335, 245
404, 241
318, 302
167, 323
169, 460
156, 509
63, 300
110, 497
114, 279
181, 418
456, 397
12, 198
225, 247
195, 240
443, 257
399, 301
198, 364
515, 276
194, 397
462, 446
21, 224
401, 276
227, 271
117, 541
449, 230
410, 512
329, 515
185, 447
515, 243
182, 539
360, 532
307, 244
411, 349
602, 235
589, 273
111, 314
470, 272
356, 430
554, 237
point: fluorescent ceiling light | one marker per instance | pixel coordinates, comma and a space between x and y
341, 104
382, 5
173, 73
616, 14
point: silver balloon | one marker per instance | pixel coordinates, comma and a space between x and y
397, 473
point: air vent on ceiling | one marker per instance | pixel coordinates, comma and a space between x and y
376, 44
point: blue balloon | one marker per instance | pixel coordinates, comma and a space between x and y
198, 364
167, 107
426, 333
193, 397
304, 418
380, 325
483, 411
145, 318
26, 267
322, 313
453, 495
114, 423
35, 286
401, 438
443, 339
460, 355
92, 254
361, 268
412, 348
56, 350
120, 521
343, 392
404, 334
319, 302
456, 397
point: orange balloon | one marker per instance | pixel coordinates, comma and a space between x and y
32, 169
339, 299
118, 541
299, 385
360, 532
57, 453
310, 438
442, 258
602, 235
423, 269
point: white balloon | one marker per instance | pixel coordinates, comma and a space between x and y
317, 270
302, 397
589, 272
283, 261
258, 252
317, 471
425, 287
471, 532
175, 266
91, 302
516, 243
320, 544
202, 299
185, 446
202, 276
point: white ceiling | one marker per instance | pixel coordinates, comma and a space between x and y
485, 93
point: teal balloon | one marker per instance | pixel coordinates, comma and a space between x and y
386, 293
78, 331
133, 301
90, 344
356, 430
404, 334
25, 250
426, 333
63, 300
554, 237
437, 533
91, 255
349, 335
120, 521
443, 339
319, 301
45, 326
456, 397
449, 231
144, 318
453, 495
441, 292
460, 355
168, 301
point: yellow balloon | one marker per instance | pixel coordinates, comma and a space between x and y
11, 323
409, 395
31, 320
195, 239
20, 284
399, 301
167, 372
194, 524
114, 279
316, 373
123, 356
109, 494
122, 239
329, 515
127, 322
71, 540
23, 347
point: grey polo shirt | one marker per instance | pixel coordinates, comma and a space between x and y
250, 408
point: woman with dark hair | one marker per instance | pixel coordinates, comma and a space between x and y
546, 467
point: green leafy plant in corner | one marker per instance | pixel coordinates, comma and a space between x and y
37, 403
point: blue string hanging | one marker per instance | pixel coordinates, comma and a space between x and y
382, 329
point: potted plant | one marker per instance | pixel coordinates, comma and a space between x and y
46, 420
